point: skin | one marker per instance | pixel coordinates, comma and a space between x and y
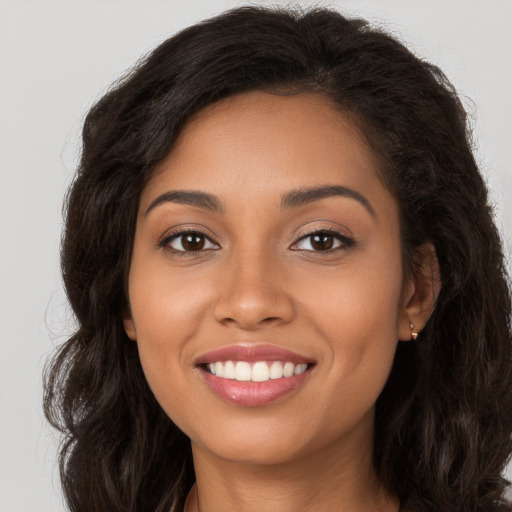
259, 279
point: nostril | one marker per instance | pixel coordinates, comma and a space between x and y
271, 319
248, 323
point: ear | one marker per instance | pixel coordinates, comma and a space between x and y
129, 326
420, 292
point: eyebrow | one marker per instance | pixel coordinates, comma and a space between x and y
292, 199
190, 197
304, 196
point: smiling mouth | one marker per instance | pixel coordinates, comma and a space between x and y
255, 384
254, 375
259, 371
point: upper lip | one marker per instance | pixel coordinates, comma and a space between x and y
252, 353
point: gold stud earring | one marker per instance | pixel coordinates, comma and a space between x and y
414, 332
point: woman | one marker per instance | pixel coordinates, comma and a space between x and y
290, 291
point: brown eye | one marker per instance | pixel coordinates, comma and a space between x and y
189, 241
193, 242
322, 242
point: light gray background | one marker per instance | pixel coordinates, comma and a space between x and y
56, 58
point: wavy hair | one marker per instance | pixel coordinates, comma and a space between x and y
444, 420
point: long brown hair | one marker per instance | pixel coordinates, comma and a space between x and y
444, 420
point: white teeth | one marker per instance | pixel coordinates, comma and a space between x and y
276, 370
300, 368
259, 372
288, 369
229, 370
242, 371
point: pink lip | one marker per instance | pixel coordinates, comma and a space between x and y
252, 354
253, 394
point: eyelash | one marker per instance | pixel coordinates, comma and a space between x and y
345, 242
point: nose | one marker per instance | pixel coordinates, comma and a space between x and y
252, 294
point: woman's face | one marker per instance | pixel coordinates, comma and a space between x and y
267, 250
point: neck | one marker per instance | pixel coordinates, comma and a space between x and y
331, 479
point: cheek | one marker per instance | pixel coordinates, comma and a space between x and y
166, 312
359, 316
167, 305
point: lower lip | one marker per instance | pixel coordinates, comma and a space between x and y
252, 394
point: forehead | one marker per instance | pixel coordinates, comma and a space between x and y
258, 141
